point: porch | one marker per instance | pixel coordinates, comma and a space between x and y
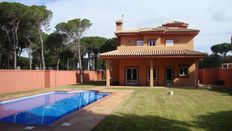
152, 72
151, 66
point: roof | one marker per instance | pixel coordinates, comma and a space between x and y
162, 29
152, 53
170, 27
228, 59
176, 24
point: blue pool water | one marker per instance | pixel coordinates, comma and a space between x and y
44, 109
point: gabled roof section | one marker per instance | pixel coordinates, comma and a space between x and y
170, 27
150, 53
176, 24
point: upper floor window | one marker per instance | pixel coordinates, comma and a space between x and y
169, 42
151, 42
139, 42
183, 71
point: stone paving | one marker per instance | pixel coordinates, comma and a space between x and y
84, 119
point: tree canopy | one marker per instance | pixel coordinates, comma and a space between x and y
74, 30
211, 61
21, 30
93, 46
222, 48
11, 15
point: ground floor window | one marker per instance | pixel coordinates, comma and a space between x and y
183, 71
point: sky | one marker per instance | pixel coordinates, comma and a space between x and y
212, 17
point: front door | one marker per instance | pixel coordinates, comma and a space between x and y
169, 76
131, 76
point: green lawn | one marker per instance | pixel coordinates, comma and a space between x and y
189, 109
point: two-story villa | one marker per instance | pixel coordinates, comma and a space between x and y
160, 55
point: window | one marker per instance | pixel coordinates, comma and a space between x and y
139, 42
225, 66
151, 42
183, 71
169, 42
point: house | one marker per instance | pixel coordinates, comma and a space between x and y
153, 56
227, 63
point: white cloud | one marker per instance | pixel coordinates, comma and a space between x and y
212, 17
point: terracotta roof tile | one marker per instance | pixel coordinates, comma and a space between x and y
158, 29
152, 53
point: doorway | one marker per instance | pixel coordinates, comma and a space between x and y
131, 76
169, 76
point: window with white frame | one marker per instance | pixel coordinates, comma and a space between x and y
151, 42
169, 42
139, 42
183, 71
225, 66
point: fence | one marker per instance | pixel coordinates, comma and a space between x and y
22, 80
209, 76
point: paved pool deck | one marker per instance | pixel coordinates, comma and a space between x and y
82, 120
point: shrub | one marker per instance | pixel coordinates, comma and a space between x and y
218, 82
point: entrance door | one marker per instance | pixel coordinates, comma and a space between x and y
131, 76
169, 76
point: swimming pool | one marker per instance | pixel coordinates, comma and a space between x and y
46, 108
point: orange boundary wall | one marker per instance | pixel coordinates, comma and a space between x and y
208, 76
22, 80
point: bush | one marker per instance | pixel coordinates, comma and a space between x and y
218, 82
211, 61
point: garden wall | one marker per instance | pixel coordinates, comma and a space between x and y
209, 76
22, 80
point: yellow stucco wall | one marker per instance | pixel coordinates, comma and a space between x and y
183, 41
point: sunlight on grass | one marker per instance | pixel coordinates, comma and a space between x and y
187, 109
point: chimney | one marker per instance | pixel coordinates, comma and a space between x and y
119, 25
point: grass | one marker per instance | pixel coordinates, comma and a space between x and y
189, 109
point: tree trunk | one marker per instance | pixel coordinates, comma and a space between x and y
30, 61
29, 55
67, 64
89, 68
58, 64
15, 58
224, 56
79, 59
42, 50
29, 52
13, 47
8, 60
16, 44
0, 60
95, 61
